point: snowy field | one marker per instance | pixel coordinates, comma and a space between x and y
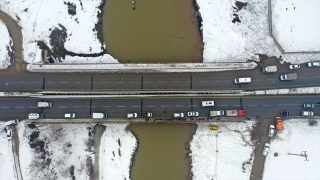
221, 154
39, 18
5, 42
116, 150
237, 42
6, 156
56, 151
296, 138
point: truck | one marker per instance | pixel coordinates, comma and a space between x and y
217, 113
99, 115
239, 112
145, 114
269, 69
288, 77
278, 123
44, 104
132, 115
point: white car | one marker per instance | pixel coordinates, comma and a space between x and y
69, 115
306, 113
266, 149
9, 133
132, 115
294, 66
271, 131
313, 64
193, 114
178, 115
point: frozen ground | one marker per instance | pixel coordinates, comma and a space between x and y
304, 90
296, 24
237, 42
297, 138
39, 18
5, 42
221, 154
58, 151
6, 156
116, 150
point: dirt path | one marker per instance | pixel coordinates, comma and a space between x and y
15, 32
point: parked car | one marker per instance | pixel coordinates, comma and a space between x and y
308, 105
284, 113
70, 115
9, 133
178, 115
271, 131
193, 114
266, 149
294, 66
132, 115
306, 113
313, 64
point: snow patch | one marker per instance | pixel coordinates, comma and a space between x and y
5, 42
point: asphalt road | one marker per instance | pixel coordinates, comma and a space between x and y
264, 106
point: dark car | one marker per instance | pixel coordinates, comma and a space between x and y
284, 113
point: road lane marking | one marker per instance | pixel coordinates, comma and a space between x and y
77, 82
119, 82
271, 79
33, 107
256, 80
236, 105
288, 104
222, 105
77, 106
179, 105
133, 81
92, 106
22, 82
19, 107
64, 82
147, 81
193, 105
104, 82
50, 82
106, 106
149, 106
266, 105
161, 81
252, 105
227, 81
189, 81
135, 106
4, 107
302, 77
121, 106
164, 106
204, 81
175, 81
62, 106
36, 82
316, 76
215, 81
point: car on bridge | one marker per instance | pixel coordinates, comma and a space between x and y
313, 64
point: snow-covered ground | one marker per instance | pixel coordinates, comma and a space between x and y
297, 138
58, 151
237, 42
221, 154
6, 156
296, 24
5, 42
39, 18
304, 90
116, 150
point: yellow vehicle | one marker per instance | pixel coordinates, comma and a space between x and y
212, 127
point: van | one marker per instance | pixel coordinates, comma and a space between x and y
207, 103
12, 122
69, 115
35, 116
269, 69
99, 116
44, 104
242, 80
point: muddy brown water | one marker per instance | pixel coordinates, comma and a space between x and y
155, 32
162, 151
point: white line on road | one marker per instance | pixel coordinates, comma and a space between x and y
193, 105
150, 106
77, 82
106, 106
215, 81
147, 81
271, 79
236, 105
161, 81
256, 80
121, 106
226, 81
266, 105
316, 76
120, 82
19, 107
179, 105
4, 107
204, 81
302, 77
92, 106
50, 82
104, 82
222, 105
252, 105
135, 106
133, 81
33, 107
288, 104
164, 106
22, 82
175, 81
64, 82
77, 106
36, 82
62, 106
